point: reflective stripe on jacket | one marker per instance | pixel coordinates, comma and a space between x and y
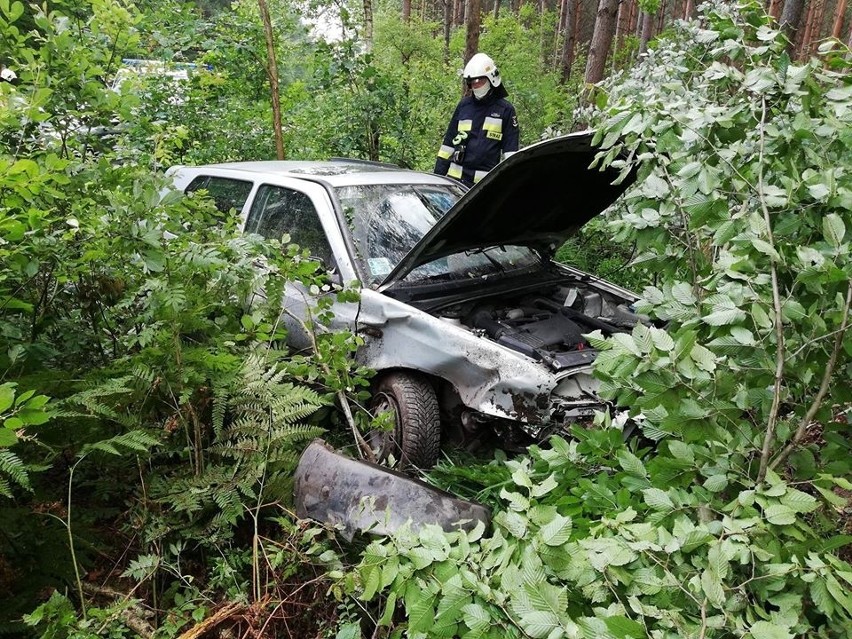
486, 129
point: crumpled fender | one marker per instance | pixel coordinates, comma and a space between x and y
489, 378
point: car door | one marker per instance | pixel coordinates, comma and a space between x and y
277, 211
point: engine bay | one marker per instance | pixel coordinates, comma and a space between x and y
547, 325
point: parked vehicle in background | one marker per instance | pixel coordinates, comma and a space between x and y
473, 329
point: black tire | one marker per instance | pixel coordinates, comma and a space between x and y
415, 436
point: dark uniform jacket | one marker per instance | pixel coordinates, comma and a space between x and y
479, 132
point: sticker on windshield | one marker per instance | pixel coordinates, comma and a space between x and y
379, 265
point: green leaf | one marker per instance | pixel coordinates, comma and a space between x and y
556, 532
712, 587
608, 551
766, 248
723, 311
476, 617
833, 229
658, 499
631, 463
780, 515
793, 310
799, 501
539, 623
624, 628
513, 522
662, 340
831, 497
821, 597
766, 630
421, 615
7, 396
546, 486
716, 483
681, 450
350, 630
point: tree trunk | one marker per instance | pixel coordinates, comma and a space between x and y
791, 18
406, 11
272, 74
567, 26
818, 30
601, 40
661, 18
810, 16
775, 8
368, 25
471, 45
448, 23
689, 12
647, 31
839, 12
458, 12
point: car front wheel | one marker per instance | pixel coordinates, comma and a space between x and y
408, 409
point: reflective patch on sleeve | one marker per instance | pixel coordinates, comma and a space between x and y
493, 135
493, 124
478, 175
508, 153
445, 152
465, 125
455, 170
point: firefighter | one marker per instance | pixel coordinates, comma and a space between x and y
484, 126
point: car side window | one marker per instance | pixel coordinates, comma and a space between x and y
227, 193
277, 210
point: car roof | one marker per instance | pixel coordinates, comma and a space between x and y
336, 172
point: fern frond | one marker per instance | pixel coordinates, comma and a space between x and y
132, 440
5, 488
13, 468
220, 407
92, 400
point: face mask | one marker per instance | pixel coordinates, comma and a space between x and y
482, 91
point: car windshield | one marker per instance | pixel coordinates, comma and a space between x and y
387, 220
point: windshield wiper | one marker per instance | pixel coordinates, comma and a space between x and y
484, 251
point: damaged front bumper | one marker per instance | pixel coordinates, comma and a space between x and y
359, 496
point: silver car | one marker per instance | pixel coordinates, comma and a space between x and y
473, 330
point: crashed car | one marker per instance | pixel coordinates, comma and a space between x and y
472, 328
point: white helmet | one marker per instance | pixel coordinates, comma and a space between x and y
8, 75
480, 65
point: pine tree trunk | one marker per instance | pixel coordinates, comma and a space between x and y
819, 23
272, 74
791, 18
805, 42
775, 8
647, 31
473, 26
448, 24
567, 24
601, 40
406, 11
839, 12
661, 18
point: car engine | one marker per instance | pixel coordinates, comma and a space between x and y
548, 325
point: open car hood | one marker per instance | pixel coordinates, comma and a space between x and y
538, 197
